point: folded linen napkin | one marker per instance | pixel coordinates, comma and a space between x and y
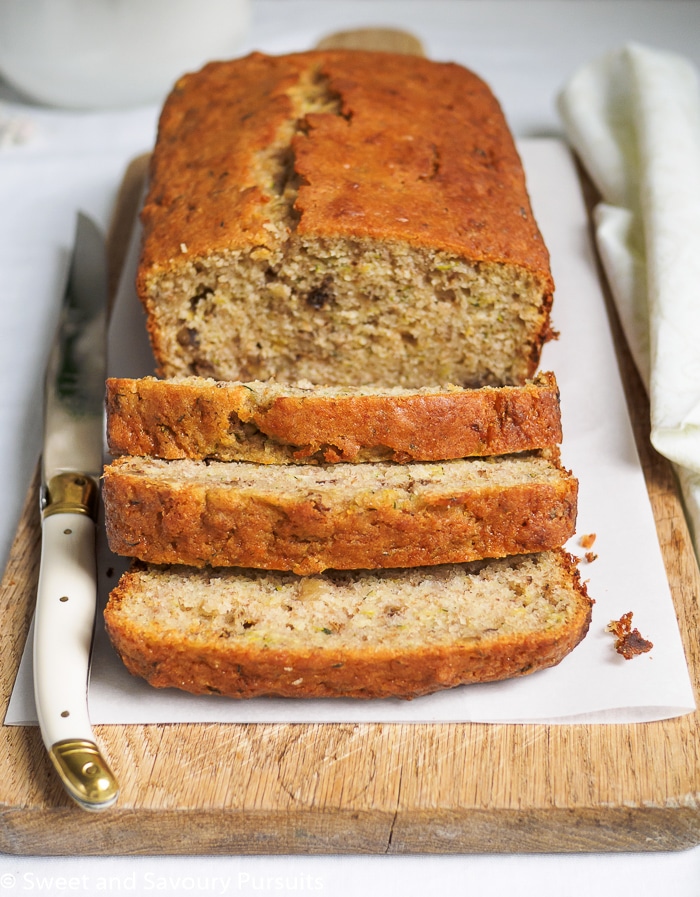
633, 117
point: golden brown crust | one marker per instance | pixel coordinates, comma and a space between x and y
167, 659
161, 520
459, 146
460, 155
199, 418
201, 176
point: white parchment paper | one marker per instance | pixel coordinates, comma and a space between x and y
593, 684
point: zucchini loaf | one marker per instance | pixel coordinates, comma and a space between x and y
341, 217
270, 423
398, 633
308, 518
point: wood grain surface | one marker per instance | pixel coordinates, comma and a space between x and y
367, 788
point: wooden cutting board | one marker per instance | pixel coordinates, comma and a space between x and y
368, 788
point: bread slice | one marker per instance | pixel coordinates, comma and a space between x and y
342, 217
398, 633
268, 423
309, 518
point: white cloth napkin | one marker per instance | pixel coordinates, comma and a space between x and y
633, 116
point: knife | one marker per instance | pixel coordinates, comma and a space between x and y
70, 475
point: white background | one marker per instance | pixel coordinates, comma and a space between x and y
526, 51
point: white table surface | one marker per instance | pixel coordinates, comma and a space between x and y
526, 49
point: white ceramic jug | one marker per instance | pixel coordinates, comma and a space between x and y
108, 53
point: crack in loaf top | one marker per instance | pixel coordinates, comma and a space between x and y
356, 144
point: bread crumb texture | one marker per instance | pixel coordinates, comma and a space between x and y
341, 217
401, 633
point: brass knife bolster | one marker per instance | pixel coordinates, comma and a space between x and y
71, 493
85, 773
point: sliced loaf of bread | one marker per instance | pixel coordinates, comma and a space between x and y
271, 423
308, 518
398, 633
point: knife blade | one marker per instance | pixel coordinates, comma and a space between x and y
70, 476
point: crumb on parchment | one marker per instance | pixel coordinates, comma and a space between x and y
587, 540
629, 642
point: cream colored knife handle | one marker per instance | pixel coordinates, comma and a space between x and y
63, 629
